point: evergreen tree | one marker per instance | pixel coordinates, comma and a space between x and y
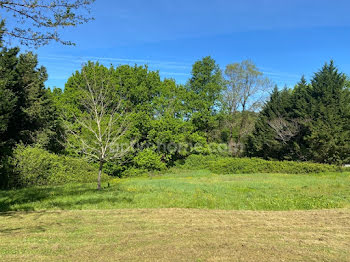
264, 141
27, 114
329, 137
314, 122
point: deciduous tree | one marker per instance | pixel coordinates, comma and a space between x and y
245, 92
98, 128
37, 22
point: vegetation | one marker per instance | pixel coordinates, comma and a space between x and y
309, 123
221, 142
175, 234
191, 189
36, 166
128, 121
229, 165
98, 126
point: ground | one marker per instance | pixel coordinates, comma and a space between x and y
175, 235
191, 189
181, 216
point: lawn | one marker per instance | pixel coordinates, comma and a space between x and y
192, 189
175, 235
181, 216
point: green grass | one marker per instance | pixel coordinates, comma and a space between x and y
192, 189
175, 235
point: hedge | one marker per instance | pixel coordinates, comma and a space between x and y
230, 165
36, 166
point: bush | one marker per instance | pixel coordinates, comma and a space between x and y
149, 160
229, 165
211, 149
36, 166
134, 172
199, 161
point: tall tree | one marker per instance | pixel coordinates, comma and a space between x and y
245, 92
265, 140
36, 22
98, 128
311, 123
204, 90
329, 133
27, 114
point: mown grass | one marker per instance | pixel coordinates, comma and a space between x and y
191, 189
175, 235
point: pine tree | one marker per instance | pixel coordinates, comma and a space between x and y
329, 137
27, 114
315, 119
264, 141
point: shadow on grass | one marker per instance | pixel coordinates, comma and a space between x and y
24, 199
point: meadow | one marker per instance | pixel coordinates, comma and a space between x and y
191, 189
182, 215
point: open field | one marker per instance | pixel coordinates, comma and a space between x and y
175, 235
181, 216
192, 189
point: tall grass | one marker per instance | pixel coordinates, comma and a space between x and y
192, 189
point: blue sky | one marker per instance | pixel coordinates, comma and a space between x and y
285, 38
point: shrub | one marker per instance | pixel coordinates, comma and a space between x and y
256, 165
211, 149
36, 166
114, 169
149, 160
134, 172
229, 165
199, 161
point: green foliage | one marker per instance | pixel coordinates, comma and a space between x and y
197, 162
134, 172
191, 189
27, 113
203, 92
314, 121
264, 142
257, 165
219, 149
148, 159
36, 166
229, 165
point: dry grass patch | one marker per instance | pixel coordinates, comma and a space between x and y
175, 235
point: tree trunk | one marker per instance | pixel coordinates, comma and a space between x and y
231, 142
240, 131
99, 176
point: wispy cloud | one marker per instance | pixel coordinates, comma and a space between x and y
60, 67
83, 59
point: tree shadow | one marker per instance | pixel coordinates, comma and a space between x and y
21, 197
60, 197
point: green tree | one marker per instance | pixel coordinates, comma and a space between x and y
96, 122
203, 93
28, 115
265, 141
311, 123
244, 94
329, 137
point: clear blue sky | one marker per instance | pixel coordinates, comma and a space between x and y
285, 38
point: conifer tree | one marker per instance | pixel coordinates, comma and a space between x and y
329, 137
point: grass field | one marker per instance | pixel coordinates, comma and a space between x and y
181, 216
192, 189
175, 235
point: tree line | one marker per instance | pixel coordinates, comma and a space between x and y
128, 118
